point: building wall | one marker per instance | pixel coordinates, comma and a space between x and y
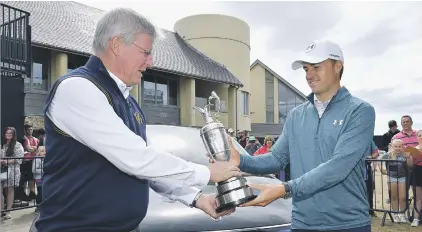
258, 114
264, 96
226, 40
270, 98
60, 63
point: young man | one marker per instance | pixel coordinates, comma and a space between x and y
386, 138
326, 141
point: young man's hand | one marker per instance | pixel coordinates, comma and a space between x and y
234, 154
268, 193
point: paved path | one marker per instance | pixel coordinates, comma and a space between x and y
20, 222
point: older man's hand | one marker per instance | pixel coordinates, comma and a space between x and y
208, 204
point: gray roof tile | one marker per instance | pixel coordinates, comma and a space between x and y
71, 25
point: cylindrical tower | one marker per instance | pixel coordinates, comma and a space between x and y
226, 40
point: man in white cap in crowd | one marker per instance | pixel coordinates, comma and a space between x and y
326, 141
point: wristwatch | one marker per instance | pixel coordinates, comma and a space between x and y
193, 205
287, 191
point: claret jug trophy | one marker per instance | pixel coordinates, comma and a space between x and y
234, 191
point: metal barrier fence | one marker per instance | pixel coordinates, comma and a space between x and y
383, 185
391, 189
20, 182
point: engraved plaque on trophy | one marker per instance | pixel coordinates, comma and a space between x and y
234, 191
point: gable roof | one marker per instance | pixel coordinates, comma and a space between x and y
70, 26
258, 62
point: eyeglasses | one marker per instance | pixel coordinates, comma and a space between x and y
147, 53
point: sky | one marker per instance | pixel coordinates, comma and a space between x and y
381, 43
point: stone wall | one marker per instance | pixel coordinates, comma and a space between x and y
36, 121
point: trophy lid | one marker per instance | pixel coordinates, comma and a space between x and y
206, 112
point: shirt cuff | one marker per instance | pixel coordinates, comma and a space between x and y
188, 198
202, 175
292, 186
242, 162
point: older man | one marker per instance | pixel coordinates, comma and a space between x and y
98, 168
326, 141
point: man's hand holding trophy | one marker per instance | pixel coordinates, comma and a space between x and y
268, 192
232, 190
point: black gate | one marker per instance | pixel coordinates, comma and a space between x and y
15, 65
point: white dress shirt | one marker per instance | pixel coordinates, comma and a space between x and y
320, 106
81, 110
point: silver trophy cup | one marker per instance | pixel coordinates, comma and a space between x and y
234, 191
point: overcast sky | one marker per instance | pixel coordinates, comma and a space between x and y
381, 42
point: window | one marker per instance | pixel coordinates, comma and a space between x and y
269, 97
287, 100
40, 67
245, 103
159, 91
75, 61
270, 116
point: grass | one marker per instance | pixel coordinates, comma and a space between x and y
380, 199
391, 227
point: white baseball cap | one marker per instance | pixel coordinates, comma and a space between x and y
317, 52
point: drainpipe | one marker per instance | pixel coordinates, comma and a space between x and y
1, 77
237, 109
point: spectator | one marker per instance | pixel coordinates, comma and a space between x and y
386, 138
11, 148
268, 143
407, 135
409, 138
41, 137
417, 182
396, 172
37, 170
369, 177
243, 141
30, 145
253, 145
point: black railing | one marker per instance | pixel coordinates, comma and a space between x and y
17, 176
15, 40
15, 64
391, 192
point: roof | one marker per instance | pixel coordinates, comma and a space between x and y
279, 77
70, 26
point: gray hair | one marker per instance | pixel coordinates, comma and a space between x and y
123, 23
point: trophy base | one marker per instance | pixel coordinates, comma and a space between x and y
232, 193
234, 204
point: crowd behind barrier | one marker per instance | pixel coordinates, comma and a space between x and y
392, 196
14, 186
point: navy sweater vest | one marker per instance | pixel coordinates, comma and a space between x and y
83, 191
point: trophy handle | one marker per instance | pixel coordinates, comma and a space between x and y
199, 109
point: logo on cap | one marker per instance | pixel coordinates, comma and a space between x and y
311, 47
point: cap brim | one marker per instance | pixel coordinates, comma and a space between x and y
307, 59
